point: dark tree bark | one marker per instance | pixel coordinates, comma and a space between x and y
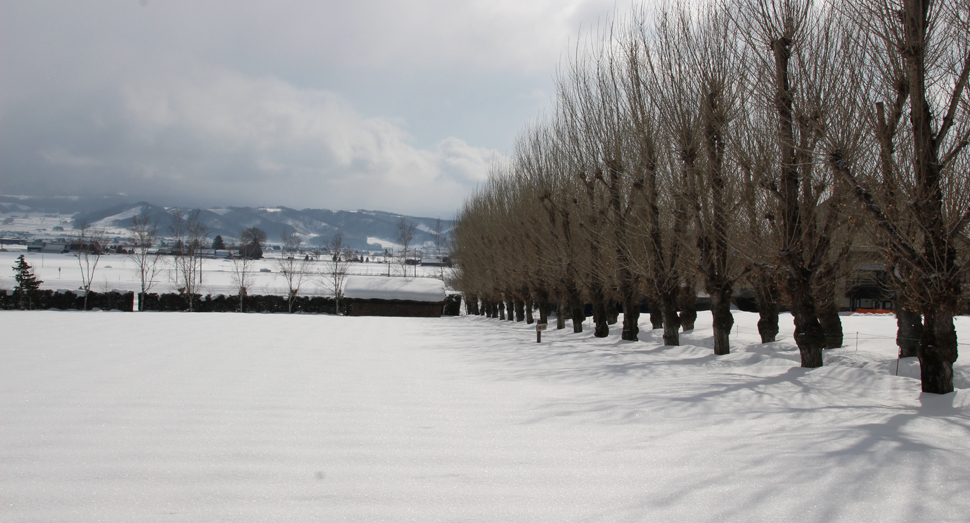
631, 318
578, 312
529, 306
601, 323
766, 295
808, 332
671, 326
656, 315
723, 318
909, 331
561, 316
809, 336
612, 313
519, 306
544, 310
937, 353
688, 307
831, 323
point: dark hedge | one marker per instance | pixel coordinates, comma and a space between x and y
49, 299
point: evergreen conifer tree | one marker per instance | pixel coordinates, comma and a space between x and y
27, 283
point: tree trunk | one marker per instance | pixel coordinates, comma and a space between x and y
612, 313
768, 323
722, 318
519, 310
578, 312
687, 318
501, 310
671, 326
809, 335
510, 310
631, 317
544, 310
831, 323
656, 315
909, 331
561, 316
766, 296
602, 327
529, 305
937, 352
471, 303
688, 307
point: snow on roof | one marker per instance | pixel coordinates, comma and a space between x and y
384, 288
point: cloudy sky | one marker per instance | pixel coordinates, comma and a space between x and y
389, 105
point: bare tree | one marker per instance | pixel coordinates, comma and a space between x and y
913, 178
144, 233
336, 265
294, 267
242, 275
198, 239
797, 76
90, 244
190, 234
440, 244
405, 237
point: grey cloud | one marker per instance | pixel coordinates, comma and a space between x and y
372, 104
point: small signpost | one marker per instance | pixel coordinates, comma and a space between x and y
539, 328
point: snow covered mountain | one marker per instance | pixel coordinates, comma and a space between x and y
370, 230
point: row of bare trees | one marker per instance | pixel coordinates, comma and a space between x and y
763, 143
189, 234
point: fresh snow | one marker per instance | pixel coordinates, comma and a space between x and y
118, 271
383, 288
109, 416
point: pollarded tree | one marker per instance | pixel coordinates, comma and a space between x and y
913, 180
27, 284
799, 55
663, 221
700, 98
754, 236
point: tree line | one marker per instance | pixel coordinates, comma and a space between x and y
767, 144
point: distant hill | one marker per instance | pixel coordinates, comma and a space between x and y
370, 230
364, 230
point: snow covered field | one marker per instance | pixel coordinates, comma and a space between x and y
117, 271
108, 416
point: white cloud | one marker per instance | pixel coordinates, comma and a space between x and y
298, 145
372, 104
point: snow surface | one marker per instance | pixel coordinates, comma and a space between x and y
414, 289
117, 271
108, 416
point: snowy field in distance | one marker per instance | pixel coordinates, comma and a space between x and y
118, 271
109, 416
